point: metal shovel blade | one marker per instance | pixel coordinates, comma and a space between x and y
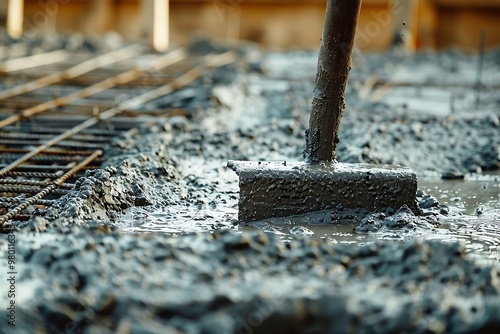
281, 189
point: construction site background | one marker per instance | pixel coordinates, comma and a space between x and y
278, 24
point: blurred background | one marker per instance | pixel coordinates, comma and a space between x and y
276, 24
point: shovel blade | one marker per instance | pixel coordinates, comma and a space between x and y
281, 189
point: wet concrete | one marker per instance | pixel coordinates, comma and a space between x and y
244, 283
88, 264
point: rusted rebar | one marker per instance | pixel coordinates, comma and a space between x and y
181, 81
41, 158
36, 60
31, 168
34, 183
48, 151
14, 189
4, 224
7, 202
73, 144
39, 175
62, 122
334, 61
73, 72
162, 61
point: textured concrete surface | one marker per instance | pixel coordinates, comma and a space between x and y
80, 270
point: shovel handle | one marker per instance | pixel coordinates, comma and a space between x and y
334, 62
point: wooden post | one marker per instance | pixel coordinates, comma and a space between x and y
15, 15
334, 61
160, 29
156, 23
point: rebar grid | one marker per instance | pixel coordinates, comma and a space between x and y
37, 158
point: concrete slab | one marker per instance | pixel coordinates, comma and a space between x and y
281, 189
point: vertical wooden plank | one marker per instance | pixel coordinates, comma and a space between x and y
15, 15
161, 22
155, 23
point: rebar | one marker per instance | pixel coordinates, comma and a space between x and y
28, 190
46, 151
39, 136
73, 72
41, 59
165, 60
41, 167
40, 158
9, 201
45, 191
39, 175
56, 129
73, 144
183, 80
33, 183
50, 151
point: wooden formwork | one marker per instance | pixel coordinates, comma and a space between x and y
276, 23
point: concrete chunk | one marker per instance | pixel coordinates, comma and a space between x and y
280, 189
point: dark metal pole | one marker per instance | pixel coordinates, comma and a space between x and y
334, 62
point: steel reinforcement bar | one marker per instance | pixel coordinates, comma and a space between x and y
73, 72
4, 220
188, 77
160, 62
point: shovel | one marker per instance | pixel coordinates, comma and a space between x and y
281, 189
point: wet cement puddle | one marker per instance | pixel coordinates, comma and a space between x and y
397, 136
474, 218
474, 213
473, 203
